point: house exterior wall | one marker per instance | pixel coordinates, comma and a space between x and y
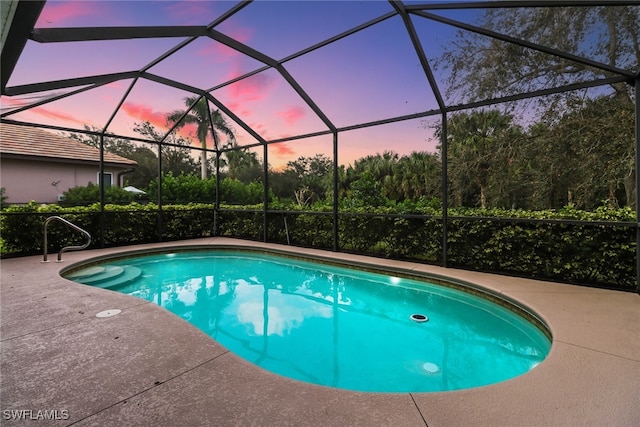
26, 180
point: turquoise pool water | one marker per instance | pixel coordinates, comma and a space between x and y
331, 325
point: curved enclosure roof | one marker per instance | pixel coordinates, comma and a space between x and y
279, 71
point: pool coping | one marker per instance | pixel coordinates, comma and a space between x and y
57, 356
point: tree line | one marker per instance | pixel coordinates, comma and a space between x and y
583, 158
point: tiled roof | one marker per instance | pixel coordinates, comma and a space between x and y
25, 141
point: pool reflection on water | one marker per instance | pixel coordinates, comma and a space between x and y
340, 327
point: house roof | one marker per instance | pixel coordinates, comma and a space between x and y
25, 141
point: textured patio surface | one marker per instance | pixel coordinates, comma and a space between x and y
147, 367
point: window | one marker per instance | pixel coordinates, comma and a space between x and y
108, 179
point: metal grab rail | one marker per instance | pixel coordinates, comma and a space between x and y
66, 248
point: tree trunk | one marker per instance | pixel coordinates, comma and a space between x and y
483, 197
630, 190
613, 200
203, 165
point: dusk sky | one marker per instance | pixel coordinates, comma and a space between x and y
371, 75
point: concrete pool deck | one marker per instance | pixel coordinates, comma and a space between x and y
147, 367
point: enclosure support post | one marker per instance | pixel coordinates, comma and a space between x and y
159, 216
216, 146
265, 186
637, 111
216, 206
444, 192
101, 185
335, 191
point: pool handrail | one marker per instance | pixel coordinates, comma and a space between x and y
66, 248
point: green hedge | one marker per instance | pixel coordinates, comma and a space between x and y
21, 227
588, 253
306, 229
244, 224
484, 239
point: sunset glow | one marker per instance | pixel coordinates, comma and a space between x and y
373, 74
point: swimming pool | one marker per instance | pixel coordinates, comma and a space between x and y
332, 325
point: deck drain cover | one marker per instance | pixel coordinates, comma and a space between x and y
108, 313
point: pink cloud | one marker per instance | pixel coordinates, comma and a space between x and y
145, 114
188, 131
118, 84
238, 96
6, 101
52, 114
243, 35
291, 115
233, 106
41, 111
114, 94
235, 71
252, 88
59, 13
259, 128
158, 119
282, 149
238, 109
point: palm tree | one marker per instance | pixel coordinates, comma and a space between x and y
416, 175
380, 166
199, 115
242, 164
478, 143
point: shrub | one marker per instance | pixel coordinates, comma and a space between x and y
3, 198
505, 241
78, 196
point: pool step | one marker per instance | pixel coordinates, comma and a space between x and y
108, 273
107, 277
129, 274
86, 272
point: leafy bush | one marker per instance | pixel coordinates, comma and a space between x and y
234, 192
497, 240
3, 198
192, 189
22, 226
245, 222
91, 194
184, 189
307, 229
